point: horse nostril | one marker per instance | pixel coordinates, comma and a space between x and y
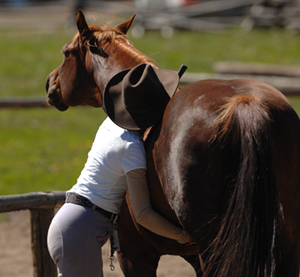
47, 84
52, 93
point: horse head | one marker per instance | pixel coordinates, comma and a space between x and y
90, 60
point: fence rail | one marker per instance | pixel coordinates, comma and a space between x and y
284, 78
37, 102
33, 200
41, 206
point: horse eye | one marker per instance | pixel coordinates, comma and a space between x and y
98, 51
94, 49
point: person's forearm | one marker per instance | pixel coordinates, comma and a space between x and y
143, 212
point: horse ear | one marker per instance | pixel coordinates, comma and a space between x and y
82, 26
124, 27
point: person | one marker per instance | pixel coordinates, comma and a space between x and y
134, 99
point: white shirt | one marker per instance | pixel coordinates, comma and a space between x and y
115, 152
117, 162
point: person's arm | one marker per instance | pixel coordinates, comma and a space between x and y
143, 212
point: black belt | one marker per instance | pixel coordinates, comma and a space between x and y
82, 201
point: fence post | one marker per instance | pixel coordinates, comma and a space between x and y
43, 266
41, 206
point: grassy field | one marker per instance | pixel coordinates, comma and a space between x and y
44, 149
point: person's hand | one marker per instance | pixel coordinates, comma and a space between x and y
191, 242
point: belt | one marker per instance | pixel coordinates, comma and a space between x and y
75, 198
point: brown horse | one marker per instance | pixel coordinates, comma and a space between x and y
223, 163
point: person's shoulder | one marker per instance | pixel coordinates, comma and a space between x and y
132, 136
113, 132
109, 126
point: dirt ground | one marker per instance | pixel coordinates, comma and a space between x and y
16, 259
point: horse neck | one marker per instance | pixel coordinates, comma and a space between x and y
123, 57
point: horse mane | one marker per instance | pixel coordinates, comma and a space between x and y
102, 37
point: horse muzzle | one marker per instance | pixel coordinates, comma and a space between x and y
53, 91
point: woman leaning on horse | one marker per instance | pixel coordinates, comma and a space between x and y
134, 100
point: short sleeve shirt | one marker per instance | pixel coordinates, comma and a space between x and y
115, 152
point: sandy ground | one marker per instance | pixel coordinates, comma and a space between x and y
16, 259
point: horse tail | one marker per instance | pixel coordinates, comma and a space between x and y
244, 245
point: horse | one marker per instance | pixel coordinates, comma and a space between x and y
223, 163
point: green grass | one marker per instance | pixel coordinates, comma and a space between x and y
26, 60
44, 149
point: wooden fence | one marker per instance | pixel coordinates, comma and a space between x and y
37, 102
41, 206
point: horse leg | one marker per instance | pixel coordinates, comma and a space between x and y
137, 256
288, 240
288, 264
135, 263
